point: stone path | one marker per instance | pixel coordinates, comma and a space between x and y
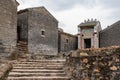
39, 70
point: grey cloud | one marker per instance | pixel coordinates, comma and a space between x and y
63, 5
111, 3
114, 5
67, 4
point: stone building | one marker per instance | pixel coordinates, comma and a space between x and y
110, 36
66, 42
88, 36
8, 26
39, 29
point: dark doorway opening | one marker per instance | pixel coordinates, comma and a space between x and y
18, 33
87, 43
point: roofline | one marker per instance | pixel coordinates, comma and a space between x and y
87, 25
49, 13
25, 10
68, 34
17, 3
109, 27
22, 11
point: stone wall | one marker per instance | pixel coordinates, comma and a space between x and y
66, 42
42, 32
8, 23
40, 29
110, 36
97, 64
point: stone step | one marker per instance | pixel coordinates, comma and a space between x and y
57, 60
36, 65
17, 74
39, 65
50, 68
37, 71
39, 78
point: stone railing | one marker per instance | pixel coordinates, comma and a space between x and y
95, 64
5, 67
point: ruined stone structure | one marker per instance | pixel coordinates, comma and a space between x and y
8, 26
66, 42
95, 64
88, 36
110, 36
39, 29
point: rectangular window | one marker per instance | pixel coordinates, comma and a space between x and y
43, 33
67, 40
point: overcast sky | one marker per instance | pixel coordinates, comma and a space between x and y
70, 13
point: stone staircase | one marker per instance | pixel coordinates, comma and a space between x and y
39, 70
22, 47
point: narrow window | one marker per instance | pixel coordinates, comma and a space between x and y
67, 40
43, 33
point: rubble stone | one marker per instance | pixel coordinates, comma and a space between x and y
100, 64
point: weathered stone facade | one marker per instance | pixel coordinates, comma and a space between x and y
110, 36
8, 26
40, 30
88, 35
66, 42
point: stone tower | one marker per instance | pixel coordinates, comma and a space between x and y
8, 25
88, 36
